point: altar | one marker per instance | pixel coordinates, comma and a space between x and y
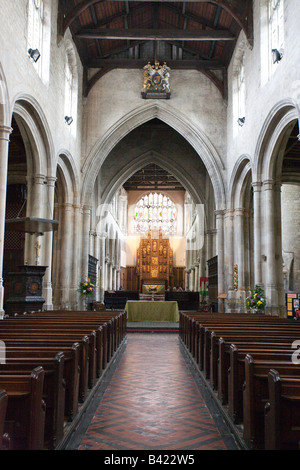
148, 311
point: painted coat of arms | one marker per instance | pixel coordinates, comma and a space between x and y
156, 81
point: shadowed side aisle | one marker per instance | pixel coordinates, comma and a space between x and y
152, 402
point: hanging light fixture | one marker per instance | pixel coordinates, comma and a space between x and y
69, 120
34, 54
277, 56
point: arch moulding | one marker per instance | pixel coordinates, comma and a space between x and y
197, 139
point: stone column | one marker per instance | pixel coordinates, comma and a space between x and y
85, 241
192, 278
229, 248
278, 251
240, 258
270, 248
257, 227
97, 256
76, 251
196, 280
118, 271
48, 247
67, 253
220, 250
4, 143
102, 237
36, 207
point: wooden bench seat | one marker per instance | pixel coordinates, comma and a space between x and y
25, 413
3, 407
282, 412
44, 343
256, 395
53, 393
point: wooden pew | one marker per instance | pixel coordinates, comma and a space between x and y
25, 414
256, 395
42, 345
282, 412
53, 393
3, 407
71, 370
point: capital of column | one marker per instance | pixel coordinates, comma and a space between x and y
219, 213
256, 185
38, 179
51, 180
228, 212
240, 212
270, 185
5, 132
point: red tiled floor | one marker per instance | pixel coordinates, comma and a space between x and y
152, 402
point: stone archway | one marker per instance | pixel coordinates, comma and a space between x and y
267, 201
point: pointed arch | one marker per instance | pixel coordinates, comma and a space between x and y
271, 139
239, 181
36, 133
197, 139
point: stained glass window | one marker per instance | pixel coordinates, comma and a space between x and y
155, 212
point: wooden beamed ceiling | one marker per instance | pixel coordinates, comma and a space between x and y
199, 35
153, 178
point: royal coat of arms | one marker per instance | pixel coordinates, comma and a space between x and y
156, 81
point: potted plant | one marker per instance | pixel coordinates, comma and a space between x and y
256, 301
86, 290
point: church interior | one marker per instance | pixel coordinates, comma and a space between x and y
149, 183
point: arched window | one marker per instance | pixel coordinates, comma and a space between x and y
155, 212
276, 24
239, 92
71, 85
35, 27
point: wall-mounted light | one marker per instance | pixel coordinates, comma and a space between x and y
241, 121
69, 120
34, 54
277, 56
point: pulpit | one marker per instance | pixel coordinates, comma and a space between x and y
154, 261
26, 290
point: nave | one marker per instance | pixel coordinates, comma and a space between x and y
152, 400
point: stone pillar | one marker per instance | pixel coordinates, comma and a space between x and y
270, 248
229, 248
97, 256
85, 241
196, 281
102, 264
257, 228
48, 248
240, 257
192, 280
76, 251
282, 312
118, 271
36, 207
67, 254
220, 250
114, 277
4, 143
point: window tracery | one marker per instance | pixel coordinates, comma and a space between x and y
155, 211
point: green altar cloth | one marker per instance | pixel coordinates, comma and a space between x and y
140, 310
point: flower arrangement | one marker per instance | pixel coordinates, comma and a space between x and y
256, 300
86, 289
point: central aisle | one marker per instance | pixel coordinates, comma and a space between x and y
152, 402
